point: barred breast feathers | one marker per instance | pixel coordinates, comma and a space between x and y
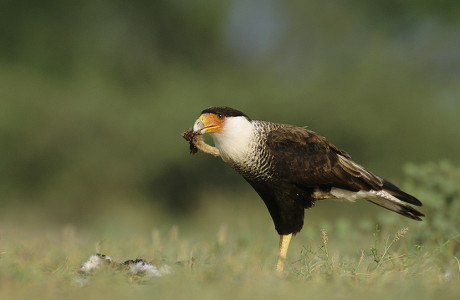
242, 144
258, 164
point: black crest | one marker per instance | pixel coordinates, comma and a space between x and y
224, 111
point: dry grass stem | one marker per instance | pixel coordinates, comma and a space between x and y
324, 237
400, 234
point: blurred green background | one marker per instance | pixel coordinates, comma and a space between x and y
94, 96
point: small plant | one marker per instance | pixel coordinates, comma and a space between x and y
315, 261
319, 262
382, 257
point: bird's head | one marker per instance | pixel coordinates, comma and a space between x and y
216, 119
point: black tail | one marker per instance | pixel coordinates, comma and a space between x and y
403, 196
394, 199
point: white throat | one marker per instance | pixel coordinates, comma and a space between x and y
234, 141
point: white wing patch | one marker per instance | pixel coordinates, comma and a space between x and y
381, 198
341, 194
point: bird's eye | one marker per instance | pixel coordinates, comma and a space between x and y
220, 116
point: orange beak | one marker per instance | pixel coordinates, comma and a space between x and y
208, 123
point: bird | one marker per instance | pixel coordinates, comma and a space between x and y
291, 168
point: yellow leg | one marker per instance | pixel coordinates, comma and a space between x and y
284, 244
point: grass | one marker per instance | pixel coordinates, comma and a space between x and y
232, 260
227, 247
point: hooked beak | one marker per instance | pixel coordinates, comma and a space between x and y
198, 127
207, 123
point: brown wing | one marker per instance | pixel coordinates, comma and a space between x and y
307, 159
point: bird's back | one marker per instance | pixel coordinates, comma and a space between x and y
291, 167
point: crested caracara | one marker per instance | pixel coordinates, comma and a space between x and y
291, 167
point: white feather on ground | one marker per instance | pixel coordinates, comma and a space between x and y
149, 270
137, 267
94, 262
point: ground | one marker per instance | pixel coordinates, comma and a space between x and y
227, 256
